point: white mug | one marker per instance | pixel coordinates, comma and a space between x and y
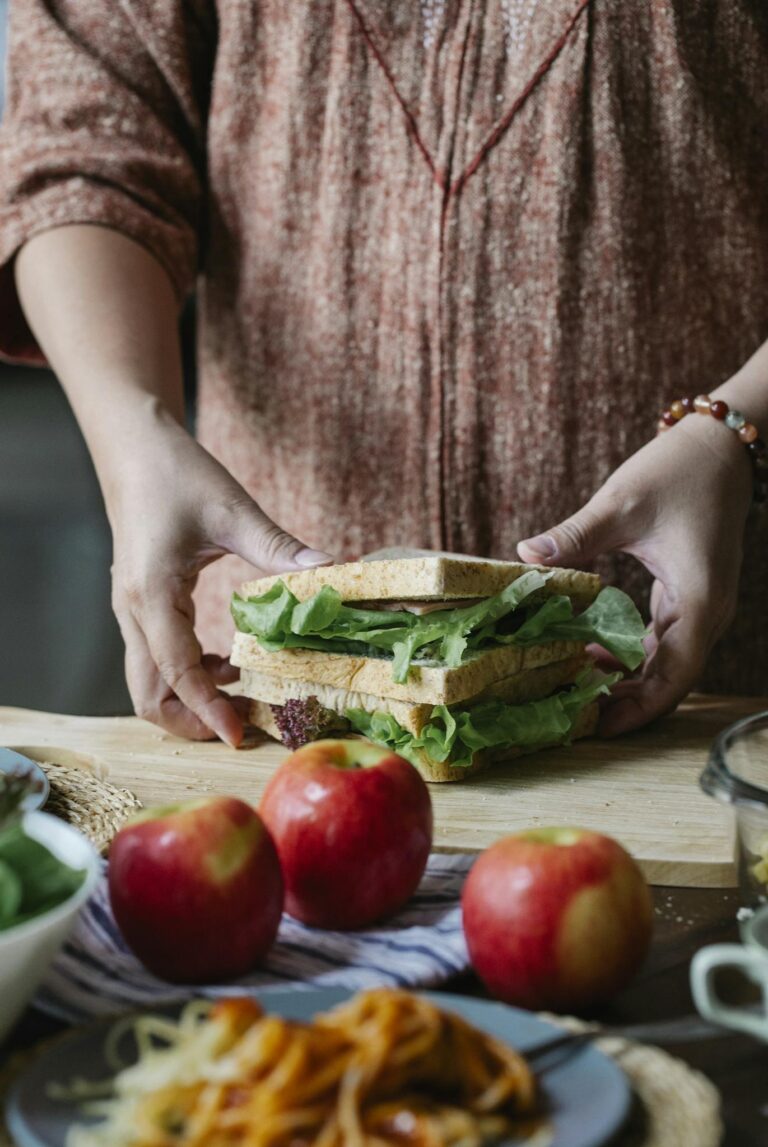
751, 958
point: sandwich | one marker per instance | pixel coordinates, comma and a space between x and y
454, 663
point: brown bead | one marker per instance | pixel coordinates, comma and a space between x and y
757, 448
677, 410
687, 404
701, 403
668, 418
761, 464
718, 409
748, 433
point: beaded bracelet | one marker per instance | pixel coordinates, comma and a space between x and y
734, 420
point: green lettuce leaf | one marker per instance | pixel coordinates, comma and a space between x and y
612, 620
268, 616
456, 734
316, 614
10, 895
383, 729
448, 636
280, 621
32, 879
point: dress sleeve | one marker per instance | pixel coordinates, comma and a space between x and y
105, 124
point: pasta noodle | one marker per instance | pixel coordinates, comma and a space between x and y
385, 1069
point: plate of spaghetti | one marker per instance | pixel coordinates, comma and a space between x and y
319, 1068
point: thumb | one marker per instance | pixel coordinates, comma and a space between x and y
577, 540
255, 537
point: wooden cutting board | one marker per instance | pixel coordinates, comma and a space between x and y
642, 789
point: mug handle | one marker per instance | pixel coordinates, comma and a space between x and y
703, 967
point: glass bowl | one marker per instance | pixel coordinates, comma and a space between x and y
737, 773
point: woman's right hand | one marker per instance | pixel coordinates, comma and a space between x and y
175, 510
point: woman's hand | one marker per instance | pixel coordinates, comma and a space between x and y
175, 510
679, 506
105, 312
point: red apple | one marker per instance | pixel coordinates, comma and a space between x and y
196, 889
556, 918
353, 827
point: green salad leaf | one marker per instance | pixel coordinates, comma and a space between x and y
10, 893
32, 879
456, 734
612, 620
447, 637
280, 621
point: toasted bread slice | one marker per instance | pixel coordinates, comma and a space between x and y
426, 684
432, 578
441, 772
530, 685
261, 716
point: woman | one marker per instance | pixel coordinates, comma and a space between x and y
452, 259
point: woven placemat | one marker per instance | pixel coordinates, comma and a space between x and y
675, 1106
88, 802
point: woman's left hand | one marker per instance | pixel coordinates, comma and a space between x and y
679, 506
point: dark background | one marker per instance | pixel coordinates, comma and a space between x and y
60, 646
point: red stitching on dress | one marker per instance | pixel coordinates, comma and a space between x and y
497, 132
506, 120
409, 116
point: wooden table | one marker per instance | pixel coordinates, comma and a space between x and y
641, 789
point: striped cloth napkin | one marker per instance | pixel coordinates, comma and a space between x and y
96, 975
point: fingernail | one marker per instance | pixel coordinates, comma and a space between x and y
307, 557
224, 721
544, 546
231, 734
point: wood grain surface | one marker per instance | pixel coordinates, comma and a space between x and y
641, 788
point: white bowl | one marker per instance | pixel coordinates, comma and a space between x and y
27, 950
